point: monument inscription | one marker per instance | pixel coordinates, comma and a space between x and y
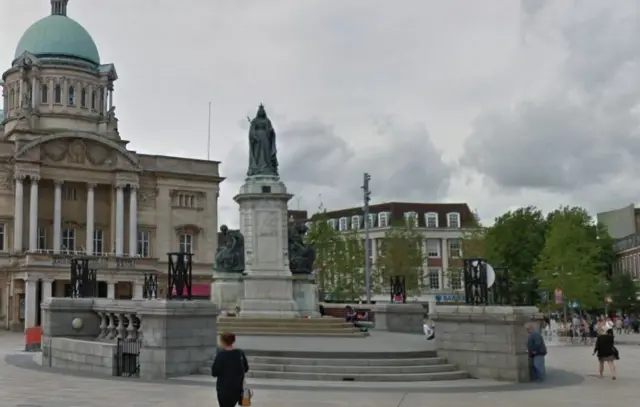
267, 240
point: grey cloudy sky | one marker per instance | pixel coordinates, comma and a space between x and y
497, 103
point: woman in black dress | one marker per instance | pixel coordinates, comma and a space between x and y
606, 352
229, 367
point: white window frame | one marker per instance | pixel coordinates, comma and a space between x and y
356, 222
333, 223
371, 220
457, 252
411, 217
98, 240
456, 277
68, 240
144, 244
185, 243
431, 273
42, 239
383, 219
343, 224
456, 223
433, 252
431, 220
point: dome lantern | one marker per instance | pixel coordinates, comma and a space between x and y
59, 7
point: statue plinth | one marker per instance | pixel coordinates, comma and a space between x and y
268, 282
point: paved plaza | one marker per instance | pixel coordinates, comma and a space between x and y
572, 381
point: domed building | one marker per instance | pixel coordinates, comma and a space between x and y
69, 186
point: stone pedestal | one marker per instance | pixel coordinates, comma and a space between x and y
305, 294
407, 318
227, 290
488, 342
268, 283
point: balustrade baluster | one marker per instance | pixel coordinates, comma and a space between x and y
103, 324
113, 320
121, 330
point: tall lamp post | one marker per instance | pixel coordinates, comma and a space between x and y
367, 241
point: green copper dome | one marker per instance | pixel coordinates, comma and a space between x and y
58, 36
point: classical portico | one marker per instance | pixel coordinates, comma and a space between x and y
69, 185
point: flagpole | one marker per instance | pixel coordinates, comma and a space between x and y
209, 135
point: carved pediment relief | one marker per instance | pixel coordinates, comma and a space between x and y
188, 228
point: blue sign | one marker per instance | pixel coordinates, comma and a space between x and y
450, 298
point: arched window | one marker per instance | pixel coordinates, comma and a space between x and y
72, 96
57, 94
93, 100
83, 98
44, 94
12, 95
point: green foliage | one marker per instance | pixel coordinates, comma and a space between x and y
401, 253
339, 260
623, 292
571, 257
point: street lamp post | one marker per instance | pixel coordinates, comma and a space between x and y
367, 241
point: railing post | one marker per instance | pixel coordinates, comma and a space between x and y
475, 282
150, 287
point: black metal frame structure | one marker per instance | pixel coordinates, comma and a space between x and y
150, 287
128, 357
84, 280
180, 276
476, 291
398, 286
500, 293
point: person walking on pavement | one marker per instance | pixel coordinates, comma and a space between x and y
537, 352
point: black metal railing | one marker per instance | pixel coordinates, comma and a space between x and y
398, 289
128, 357
150, 287
84, 280
475, 282
180, 276
500, 292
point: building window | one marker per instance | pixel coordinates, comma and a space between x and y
69, 194
44, 94
42, 239
383, 219
456, 280
332, 223
143, 243
356, 222
83, 98
434, 278
371, 220
411, 218
2, 239
72, 96
455, 249
343, 225
68, 240
98, 241
183, 200
57, 94
453, 220
93, 100
101, 99
431, 219
186, 243
433, 248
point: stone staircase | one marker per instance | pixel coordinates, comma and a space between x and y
315, 327
359, 367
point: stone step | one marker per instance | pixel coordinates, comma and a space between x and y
351, 370
341, 354
429, 361
261, 331
314, 321
336, 377
309, 327
286, 324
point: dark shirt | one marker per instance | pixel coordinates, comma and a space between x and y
536, 345
229, 367
604, 346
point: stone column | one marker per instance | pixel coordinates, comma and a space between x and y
34, 92
133, 220
119, 220
18, 212
52, 92
110, 90
30, 303
47, 292
33, 215
111, 290
57, 216
90, 217
137, 290
20, 94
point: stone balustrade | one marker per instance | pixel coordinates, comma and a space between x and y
104, 261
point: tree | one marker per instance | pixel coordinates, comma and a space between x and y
623, 292
570, 259
323, 238
348, 261
515, 242
401, 253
